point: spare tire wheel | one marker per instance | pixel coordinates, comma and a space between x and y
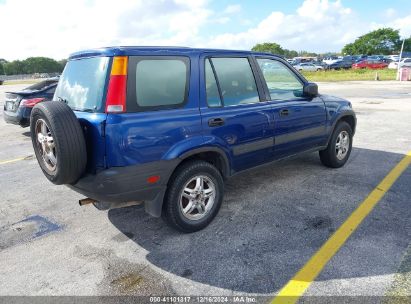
58, 142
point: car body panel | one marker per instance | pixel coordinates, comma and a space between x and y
303, 128
93, 125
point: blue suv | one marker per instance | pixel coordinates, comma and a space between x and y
166, 126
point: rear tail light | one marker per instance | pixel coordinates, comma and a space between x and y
116, 93
29, 103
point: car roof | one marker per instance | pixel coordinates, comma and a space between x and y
144, 50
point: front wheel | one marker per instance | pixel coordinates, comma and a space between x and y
339, 147
194, 196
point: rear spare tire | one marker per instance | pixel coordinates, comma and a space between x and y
58, 142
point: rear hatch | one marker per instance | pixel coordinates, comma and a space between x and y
82, 86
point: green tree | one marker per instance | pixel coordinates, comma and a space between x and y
32, 65
407, 44
381, 41
274, 48
268, 47
15, 67
62, 63
41, 65
290, 53
307, 54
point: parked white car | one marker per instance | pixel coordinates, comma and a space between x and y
393, 57
332, 59
308, 67
403, 62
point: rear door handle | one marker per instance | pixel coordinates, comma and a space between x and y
284, 112
215, 122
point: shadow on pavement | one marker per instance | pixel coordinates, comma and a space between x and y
272, 220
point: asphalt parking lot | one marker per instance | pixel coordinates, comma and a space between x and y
272, 221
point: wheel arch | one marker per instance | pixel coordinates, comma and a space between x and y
350, 119
347, 116
213, 155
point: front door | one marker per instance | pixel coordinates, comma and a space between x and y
299, 122
233, 116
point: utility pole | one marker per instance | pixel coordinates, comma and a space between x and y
399, 60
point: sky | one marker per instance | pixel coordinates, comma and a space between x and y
56, 28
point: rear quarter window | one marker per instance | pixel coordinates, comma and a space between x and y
157, 82
82, 83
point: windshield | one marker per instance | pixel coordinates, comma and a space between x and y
82, 83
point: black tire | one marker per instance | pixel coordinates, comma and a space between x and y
69, 146
172, 210
329, 156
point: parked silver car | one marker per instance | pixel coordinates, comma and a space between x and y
308, 67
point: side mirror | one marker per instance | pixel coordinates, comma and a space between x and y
310, 89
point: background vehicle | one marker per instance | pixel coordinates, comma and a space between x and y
341, 64
168, 125
18, 105
403, 62
331, 59
393, 57
308, 67
370, 64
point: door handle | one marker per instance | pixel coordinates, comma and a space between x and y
215, 122
284, 112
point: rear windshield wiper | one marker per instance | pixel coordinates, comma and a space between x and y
62, 99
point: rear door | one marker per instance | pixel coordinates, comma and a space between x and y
233, 115
162, 110
299, 122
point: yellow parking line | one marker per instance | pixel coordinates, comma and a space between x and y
296, 287
15, 160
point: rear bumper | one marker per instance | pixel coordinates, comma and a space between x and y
20, 117
125, 184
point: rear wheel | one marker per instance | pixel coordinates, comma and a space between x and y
339, 148
58, 142
194, 196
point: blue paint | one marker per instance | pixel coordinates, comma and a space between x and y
44, 226
20, 232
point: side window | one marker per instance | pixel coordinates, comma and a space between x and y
213, 96
236, 81
161, 82
282, 83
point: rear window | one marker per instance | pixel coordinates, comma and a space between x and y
82, 83
40, 85
157, 82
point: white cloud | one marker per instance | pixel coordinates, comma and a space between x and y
402, 24
233, 9
390, 12
58, 28
316, 25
